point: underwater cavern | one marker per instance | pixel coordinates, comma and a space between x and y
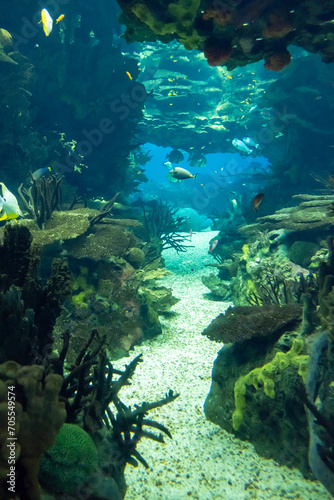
166, 250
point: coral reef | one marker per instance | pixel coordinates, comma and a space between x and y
29, 305
220, 29
294, 367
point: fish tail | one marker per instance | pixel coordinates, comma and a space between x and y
194, 176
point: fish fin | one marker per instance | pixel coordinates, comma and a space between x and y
4, 217
194, 176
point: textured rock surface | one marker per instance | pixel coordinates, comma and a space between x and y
242, 323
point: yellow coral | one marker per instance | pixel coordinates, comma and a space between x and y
265, 377
80, 284
183, 12
5, 38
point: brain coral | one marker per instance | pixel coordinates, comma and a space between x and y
68, 464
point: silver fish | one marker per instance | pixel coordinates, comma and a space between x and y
181, 174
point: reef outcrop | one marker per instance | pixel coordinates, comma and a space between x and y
234, 33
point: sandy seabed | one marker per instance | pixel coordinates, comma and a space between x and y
202, 461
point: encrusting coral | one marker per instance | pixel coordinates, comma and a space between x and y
265, 375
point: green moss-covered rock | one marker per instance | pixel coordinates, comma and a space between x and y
68, 464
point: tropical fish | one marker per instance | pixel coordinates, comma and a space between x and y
213, 246
9, 208
250, 142
197, 160
257, 200
129, 75
167, 164
253, 108
46, 21
60, 18
40, 172
181, 174
175, 156
241, 146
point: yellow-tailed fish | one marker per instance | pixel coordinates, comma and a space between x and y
9, 208
47, 22
60, 18
228, 76
129, 75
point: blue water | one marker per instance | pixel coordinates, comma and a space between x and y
224, 177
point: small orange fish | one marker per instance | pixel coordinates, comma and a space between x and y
257, 200
60, 18
129, 75
228, 76
213, 246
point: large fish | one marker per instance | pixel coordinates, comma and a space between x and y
181, 174
175, 156
241, 146
9, 208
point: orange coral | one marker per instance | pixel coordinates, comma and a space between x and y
217, 55
280, 24
220, 16
278, 60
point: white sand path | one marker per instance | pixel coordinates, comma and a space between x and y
202, 461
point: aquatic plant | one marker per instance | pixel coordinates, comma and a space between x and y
161, 221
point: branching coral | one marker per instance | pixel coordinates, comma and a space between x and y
265, 377
42, 198
160, 221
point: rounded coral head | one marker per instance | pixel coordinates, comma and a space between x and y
278, 60
217, 53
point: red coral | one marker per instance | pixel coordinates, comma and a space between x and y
280, 24
278, 60
217, 55
220, 16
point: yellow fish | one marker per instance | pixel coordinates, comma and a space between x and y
228, 76
60, 18
9, 208
129, 75
47, 22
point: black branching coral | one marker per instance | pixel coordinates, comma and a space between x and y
162, 222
